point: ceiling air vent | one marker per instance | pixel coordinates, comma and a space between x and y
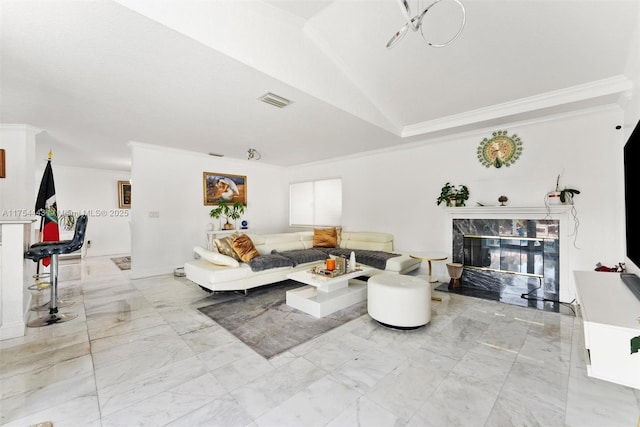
275, 100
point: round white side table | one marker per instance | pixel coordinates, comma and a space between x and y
430, 257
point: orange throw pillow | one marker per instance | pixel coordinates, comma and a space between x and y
244, 247
325, 237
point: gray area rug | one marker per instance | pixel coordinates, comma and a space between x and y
263, 321
123, 262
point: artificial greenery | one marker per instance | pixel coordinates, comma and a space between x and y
446, 194
453, 195
230, 211
462, 195
566, 195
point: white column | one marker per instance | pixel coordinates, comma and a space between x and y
14, 240
18, 193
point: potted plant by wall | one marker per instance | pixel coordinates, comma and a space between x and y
229, 211
565, 197
234, 212
446, 195
221, 210
462, 195
452, 195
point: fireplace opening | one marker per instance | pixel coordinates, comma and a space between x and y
516, 255
505, 259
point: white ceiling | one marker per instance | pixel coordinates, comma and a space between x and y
94, 75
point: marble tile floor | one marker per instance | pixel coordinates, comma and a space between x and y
513, 296
140, 353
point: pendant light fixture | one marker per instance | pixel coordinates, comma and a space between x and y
414, 22
253, 154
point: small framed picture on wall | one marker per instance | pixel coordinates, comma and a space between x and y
124, 194
2, 170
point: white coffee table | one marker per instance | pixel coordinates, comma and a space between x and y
325, 295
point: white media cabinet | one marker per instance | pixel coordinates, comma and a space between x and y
611, 317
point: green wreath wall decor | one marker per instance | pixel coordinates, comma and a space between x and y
500, 150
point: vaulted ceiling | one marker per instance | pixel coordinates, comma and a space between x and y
96, 74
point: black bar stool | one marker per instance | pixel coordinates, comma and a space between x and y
41, 250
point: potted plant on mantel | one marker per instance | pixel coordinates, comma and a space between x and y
453, 195
564, 196
233, 212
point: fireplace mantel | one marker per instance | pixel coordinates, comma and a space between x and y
562, 213
520, 212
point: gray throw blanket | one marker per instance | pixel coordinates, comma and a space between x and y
302, 256
375, 259
266, 262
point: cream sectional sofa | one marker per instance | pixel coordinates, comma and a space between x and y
370, 247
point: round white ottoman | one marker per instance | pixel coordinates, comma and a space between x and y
399, 301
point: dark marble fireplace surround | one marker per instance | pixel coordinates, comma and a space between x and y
520, 257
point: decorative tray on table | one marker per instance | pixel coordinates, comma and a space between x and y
330, 273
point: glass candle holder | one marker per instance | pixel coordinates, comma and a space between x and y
331, 264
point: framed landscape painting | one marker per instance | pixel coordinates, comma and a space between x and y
124, 194
223, 188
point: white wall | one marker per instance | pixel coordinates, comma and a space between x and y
169, 182
16, 200
396, 191
19, 142
393, 191
93, 192
631, 105
89, 191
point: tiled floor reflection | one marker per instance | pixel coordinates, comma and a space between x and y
532, 298
140, 353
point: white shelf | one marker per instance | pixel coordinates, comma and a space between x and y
610, 315
222, 232
510, 211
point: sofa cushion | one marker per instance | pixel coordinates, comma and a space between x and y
243, 246
375, 259
303, 256
266, 262
367, 241
215, 257
267, 248
225, 247
204, 272
265, 243
402, 264
325, 237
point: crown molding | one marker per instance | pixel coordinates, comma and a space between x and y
601, 88
18, 126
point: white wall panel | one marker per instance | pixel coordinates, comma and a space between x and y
169, 217
93, 192
396, 191
393, 191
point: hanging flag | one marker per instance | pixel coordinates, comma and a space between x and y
47, 208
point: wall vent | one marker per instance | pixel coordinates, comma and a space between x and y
275, 100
